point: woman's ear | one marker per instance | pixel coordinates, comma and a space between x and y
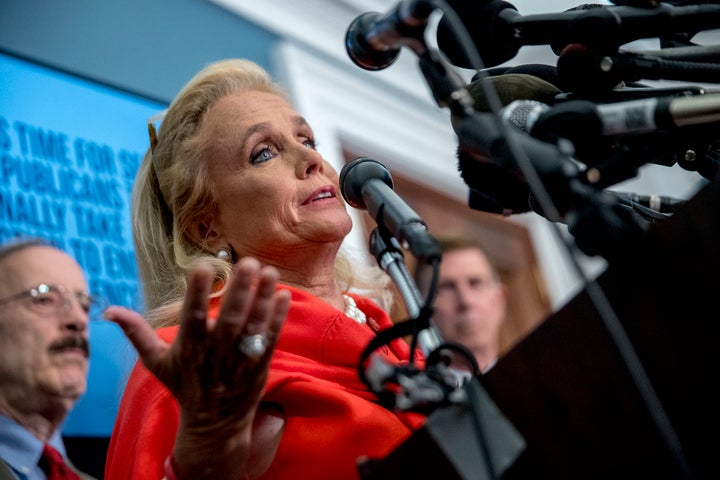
205, 233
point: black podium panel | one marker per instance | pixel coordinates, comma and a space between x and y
567, 389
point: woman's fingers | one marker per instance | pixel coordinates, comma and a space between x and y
238, 297
247, 308
194, 317
151, 348
213, 361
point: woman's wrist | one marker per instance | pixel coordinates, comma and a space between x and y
210, 454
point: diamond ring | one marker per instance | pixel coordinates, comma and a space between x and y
253, 346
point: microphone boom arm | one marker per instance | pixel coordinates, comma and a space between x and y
390, 259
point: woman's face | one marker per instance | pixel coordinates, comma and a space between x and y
275, 192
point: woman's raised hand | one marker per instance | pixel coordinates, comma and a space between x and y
215, 368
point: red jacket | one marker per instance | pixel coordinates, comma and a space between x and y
331, 417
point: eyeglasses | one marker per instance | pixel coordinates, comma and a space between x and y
53, 299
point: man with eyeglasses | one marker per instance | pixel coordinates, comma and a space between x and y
44, 306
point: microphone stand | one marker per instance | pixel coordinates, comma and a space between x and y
386, 251
469, 429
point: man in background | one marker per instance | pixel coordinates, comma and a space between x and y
470, 304
44, 352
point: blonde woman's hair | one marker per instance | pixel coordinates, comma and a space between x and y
173, 191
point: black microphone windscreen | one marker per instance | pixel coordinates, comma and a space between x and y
493, 189
558, 47
492, 36
579, 72
356, 174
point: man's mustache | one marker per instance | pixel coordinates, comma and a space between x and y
71, 342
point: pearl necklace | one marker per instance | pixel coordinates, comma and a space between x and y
352, 310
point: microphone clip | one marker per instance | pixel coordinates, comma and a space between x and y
412, 389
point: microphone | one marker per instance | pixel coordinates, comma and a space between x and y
498, 30
494, 188
489, 24
690, 53
585, 120
488, 160
501, 188
580, 71
366, 184
657, 203
498, 187
373, 40
591, 74
617, 138
558, 47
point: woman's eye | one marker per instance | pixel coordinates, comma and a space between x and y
310, 143
260, 156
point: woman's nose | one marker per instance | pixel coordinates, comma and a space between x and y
310, 162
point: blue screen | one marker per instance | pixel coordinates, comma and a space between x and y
70, 148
